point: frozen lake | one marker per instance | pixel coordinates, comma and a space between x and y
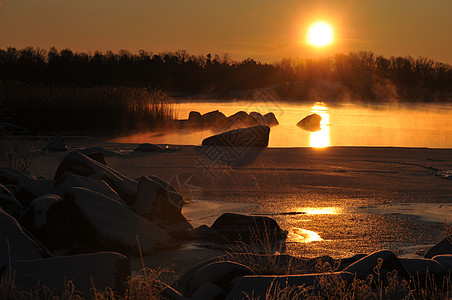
361, 125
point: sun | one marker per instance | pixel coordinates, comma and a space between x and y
320, 34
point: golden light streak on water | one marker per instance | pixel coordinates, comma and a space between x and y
301, 235
321, 210
321, 138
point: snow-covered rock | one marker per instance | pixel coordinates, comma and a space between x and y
36, 214
154, 203
82, 165
11, 176
28, 189
14, 243
103, 270
9, 203
310, 123
68, 180
112, 226
443, 247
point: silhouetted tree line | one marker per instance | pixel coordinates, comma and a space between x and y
356, 75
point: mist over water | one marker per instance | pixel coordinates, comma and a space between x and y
348, 124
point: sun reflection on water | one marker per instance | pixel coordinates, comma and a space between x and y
321, 210
321, 138
300, 235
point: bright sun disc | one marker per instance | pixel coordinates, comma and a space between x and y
320, 34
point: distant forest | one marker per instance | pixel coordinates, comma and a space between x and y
361, 75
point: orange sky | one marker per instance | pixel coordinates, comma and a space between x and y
266, 30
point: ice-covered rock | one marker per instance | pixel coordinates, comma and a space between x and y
154, 203
82, 165
14, 243
100, 270
310, 123
443, 247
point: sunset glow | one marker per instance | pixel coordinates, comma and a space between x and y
320, 34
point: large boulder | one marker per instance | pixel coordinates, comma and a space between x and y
82, 165
310, 123
237, 225
100, 270
295, 286
270, 119
147, 147
220, 273
213, 119
258, 118
421, 268
12, 176
35, 217
445, 260
14, 243
256, 136
238, 120
443, 247
57, 144
28, 189
389, 262
86, 221
155, 202
68, 180
195, 119
237, 147
9, 203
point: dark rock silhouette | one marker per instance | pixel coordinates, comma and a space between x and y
15, 244
154, 202
235, 148
105, 269
310, 123
443, 247
230, 224
57, 144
